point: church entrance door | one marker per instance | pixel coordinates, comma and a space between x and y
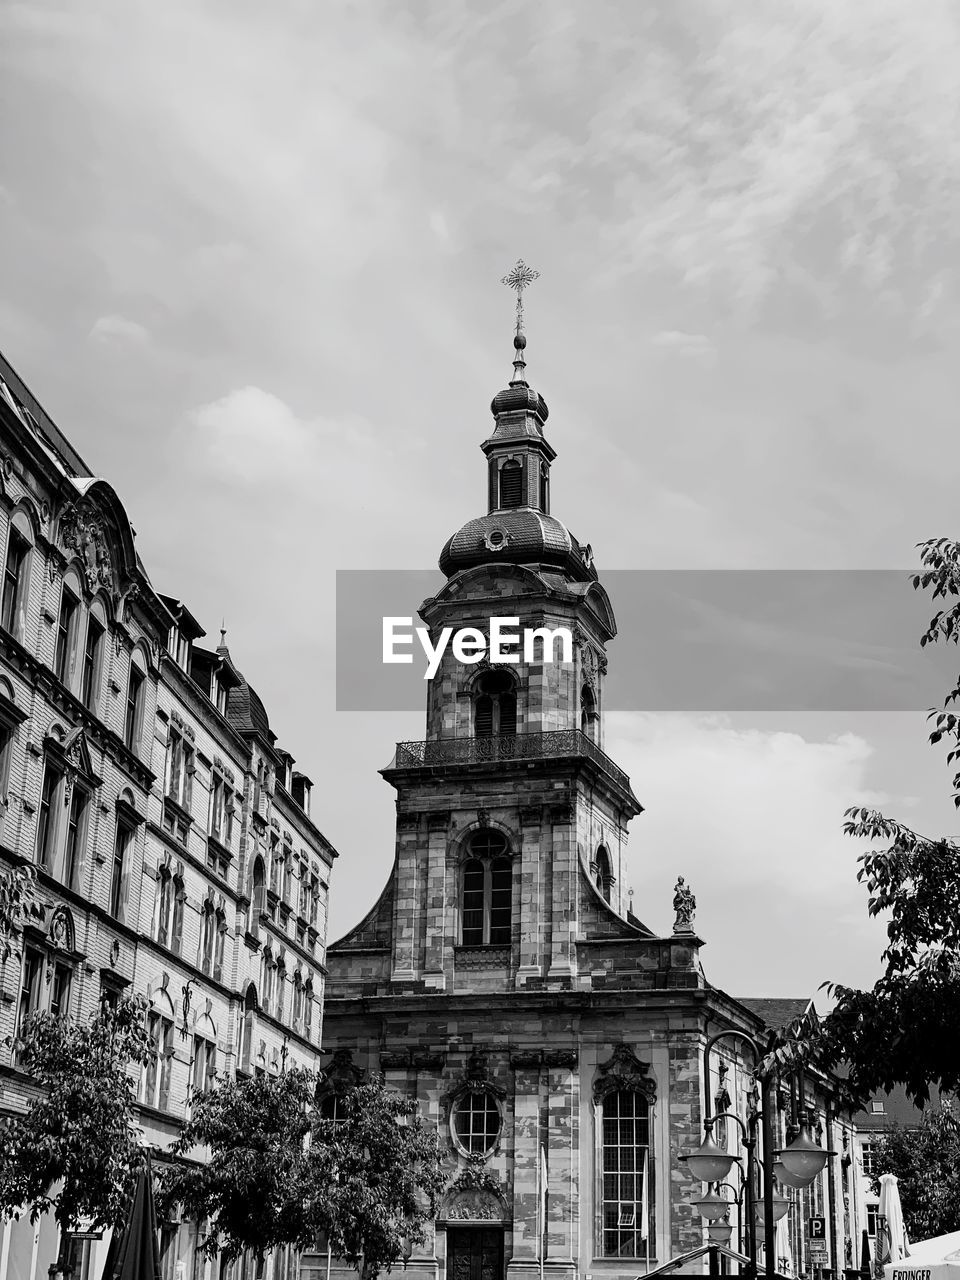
474, 1253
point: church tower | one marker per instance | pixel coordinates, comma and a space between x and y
502, 978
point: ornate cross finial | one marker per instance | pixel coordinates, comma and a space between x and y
518, 279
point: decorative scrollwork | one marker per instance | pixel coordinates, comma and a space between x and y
624, 1070
82, 531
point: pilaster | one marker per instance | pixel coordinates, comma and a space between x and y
531, 895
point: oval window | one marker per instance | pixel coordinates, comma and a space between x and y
476, 1123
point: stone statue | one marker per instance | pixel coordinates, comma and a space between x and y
684, 905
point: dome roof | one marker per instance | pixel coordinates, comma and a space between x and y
519, 535
246, 712
519, 398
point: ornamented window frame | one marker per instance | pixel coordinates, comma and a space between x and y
624, 1072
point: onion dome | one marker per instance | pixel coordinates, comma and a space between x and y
519, 396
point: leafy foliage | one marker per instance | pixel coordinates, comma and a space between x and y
278, 1173
926, 1162
907, 1027
18, 902
78, 1138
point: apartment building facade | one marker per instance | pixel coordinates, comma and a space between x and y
175, 851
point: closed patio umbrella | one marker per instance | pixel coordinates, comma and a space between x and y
134, 1253
891, 1233
866, 1266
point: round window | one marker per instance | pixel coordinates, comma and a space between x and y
476, 1123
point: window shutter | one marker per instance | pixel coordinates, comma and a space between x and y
508, 714
483, 717
492, 478
511, 485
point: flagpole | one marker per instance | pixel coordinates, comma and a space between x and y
541, 1204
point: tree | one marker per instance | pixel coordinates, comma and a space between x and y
926, 1162
76, 1149
907, 1027
18, 902
278, 1173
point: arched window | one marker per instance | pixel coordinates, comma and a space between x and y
91, 674
495, 705
544, 488
281, 988
511, 484
168, 912
208, 937
16, 575
603, 874
133, 712
626, 1185
486, 892
155, 1086
257, 897
247, 1028
589, 718
67, 622
308, 1007
297, 1000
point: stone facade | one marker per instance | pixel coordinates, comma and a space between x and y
176, 855
502, 977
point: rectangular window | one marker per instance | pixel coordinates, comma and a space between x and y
120, 845
69, 604
218, 815
92, 659
624, 1174
29, 987
134, 711
75, 837
165, 896
46, 818
204, 1063
60, 990
13, 579
869, 1157
156, 1086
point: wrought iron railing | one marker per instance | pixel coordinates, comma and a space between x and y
506, 747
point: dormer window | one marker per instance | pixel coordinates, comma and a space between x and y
220, 693
179, 647
511, 484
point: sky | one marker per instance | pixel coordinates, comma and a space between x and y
251, 259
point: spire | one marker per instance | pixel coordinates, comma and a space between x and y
519, 279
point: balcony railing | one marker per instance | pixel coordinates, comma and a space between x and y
556, 744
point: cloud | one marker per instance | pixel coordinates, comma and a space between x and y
696, 346
118, 329
753, 820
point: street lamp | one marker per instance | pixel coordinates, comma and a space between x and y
711, 1164
803, 1160
712, 1207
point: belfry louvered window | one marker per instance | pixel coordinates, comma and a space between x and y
487, 892
511, 484
495, 706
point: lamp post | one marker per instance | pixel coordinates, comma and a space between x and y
799, 1163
